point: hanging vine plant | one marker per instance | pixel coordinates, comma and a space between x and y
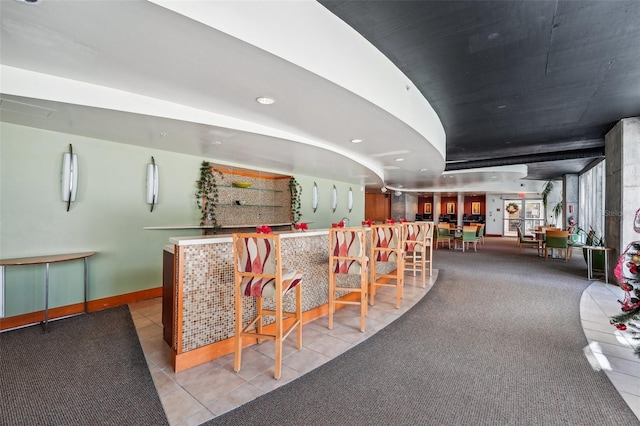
296, 191
207, 195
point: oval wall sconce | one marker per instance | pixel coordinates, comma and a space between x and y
152, 183
334, 201
350, 200
69, 177
314, 195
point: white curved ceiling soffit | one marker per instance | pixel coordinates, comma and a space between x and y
154, 77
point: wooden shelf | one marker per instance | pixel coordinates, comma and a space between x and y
250, 188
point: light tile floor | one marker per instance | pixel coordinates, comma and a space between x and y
610, 349
203, 392
200, 393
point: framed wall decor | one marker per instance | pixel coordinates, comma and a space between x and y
451, 208
475, 208
427, 208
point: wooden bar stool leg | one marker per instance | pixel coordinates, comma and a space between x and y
372, 288
238, 338
332, 295
363, 301
259, 324
278, 338
299, 315
423, 266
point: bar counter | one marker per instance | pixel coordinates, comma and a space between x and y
198, 285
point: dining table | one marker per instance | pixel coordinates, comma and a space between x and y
540, 237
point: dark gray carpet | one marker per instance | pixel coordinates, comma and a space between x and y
497, 341
88, 370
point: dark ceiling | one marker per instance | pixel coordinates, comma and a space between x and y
513, 82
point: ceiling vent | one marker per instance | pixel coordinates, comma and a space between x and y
30, 1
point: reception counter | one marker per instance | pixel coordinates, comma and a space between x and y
198, 302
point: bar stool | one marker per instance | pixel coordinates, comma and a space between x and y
347, 256
417, 240
386, 247
258, 273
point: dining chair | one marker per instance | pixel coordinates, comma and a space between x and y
558, 240
416, 239
468, 236
347, 256
524, 241
444, 235
574, 241
258, 273
480, 232
386, 249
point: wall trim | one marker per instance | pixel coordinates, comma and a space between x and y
37, 317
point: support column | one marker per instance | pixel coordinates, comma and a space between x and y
460, 208
570, 198
436, 207
622, 196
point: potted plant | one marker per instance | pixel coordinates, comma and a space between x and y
557, 210
207, 195
296, 191
591, 239
546, 190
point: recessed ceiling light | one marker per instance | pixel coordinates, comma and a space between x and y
502, 106
423, 170
264, 100
216, 143
356, 140
163, 134
399, 159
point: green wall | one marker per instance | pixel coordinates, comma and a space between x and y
108, 216
324, 215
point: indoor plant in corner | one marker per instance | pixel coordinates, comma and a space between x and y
591, 239
207, 196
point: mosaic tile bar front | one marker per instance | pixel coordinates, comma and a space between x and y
207, 294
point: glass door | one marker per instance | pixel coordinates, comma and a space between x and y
512, 210
529, 213
534, 215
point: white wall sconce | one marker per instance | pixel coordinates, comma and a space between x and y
152, 183
314, 200
334, 201
69, 177
350, 200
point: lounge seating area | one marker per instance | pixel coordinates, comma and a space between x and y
461, 236
549, 239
